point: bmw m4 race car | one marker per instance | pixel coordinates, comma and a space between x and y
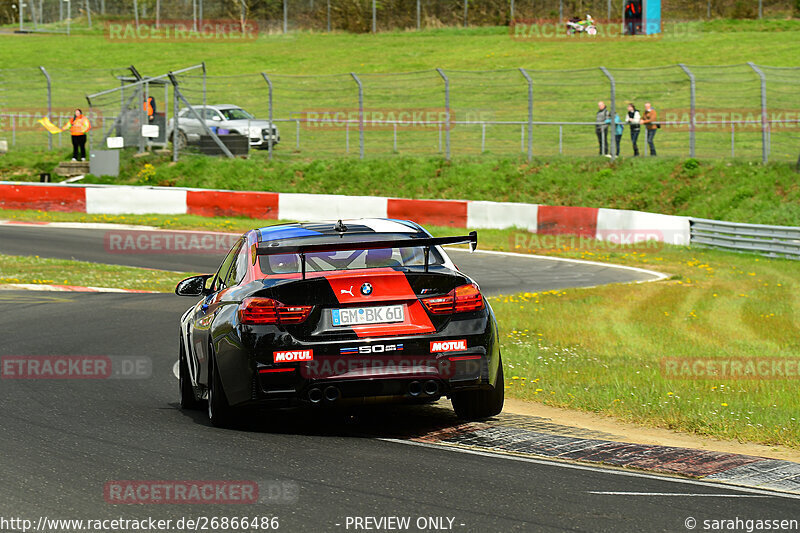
335, 314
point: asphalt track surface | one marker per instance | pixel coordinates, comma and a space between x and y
61, 441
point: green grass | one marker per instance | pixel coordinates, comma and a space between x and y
311, 70
716, 42
608, 359
38, 270
736, 191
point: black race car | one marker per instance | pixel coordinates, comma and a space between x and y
338, 313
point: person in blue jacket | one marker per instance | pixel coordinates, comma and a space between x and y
619, 127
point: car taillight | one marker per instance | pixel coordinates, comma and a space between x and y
255, 310
459, 300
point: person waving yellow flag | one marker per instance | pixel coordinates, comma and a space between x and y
49, 126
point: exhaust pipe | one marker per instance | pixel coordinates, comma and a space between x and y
415, 388
431, 388
332, 393
315, 395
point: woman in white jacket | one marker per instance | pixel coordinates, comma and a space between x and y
634, 119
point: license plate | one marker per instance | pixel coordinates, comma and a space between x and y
353, 316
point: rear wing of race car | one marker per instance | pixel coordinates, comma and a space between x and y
424, 243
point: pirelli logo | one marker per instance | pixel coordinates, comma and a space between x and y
448, 346
293, 356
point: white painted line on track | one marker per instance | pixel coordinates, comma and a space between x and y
684, 494
657, 275
602, 470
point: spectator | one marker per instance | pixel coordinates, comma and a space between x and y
650, 120
78, 126
634, 119
633, 16
149, 107
619, 127
601, 127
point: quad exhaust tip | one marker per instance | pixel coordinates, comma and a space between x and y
332, 393
431, 388
315, 395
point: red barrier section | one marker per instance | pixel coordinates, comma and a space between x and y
433, 212
232, 203
558, 220
44, 197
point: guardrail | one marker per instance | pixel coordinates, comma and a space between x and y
772, 241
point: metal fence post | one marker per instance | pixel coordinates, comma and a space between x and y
419, 10
89, 14
760, 9
512, 10
285, 16
360, 115
466, 12
763, 78
611, 137
142, 95
692, 109
136, 13
530, 112
447, 111
271, 125
204, 85
374, 18
49, 106
329, 16
175, 127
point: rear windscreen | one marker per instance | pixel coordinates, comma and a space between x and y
348, 259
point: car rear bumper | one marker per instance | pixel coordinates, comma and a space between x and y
370, 380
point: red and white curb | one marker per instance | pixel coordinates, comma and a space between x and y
66, 288
599, 223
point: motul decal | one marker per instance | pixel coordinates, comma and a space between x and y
448, 346
293, 356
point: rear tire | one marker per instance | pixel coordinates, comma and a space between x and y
219, 412
188, 399
181, 139
480, 404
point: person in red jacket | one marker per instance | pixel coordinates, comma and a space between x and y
78, 126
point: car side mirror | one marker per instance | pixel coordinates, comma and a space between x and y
216, 117
194, 286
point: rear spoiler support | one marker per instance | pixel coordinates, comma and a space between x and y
425, 243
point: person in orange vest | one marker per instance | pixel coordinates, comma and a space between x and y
78, 126
149, 107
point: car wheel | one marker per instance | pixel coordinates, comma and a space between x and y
219, 412
480, 404
181, 139
188, 398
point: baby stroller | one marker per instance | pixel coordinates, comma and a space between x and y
576, 25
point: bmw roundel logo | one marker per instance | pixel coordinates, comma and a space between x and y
366, 289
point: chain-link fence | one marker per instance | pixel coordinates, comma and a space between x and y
744, 111
357, 15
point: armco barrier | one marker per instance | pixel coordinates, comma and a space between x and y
772, 241
606, 224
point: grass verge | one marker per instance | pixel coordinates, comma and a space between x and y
38, 270
736, 191
604, 349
